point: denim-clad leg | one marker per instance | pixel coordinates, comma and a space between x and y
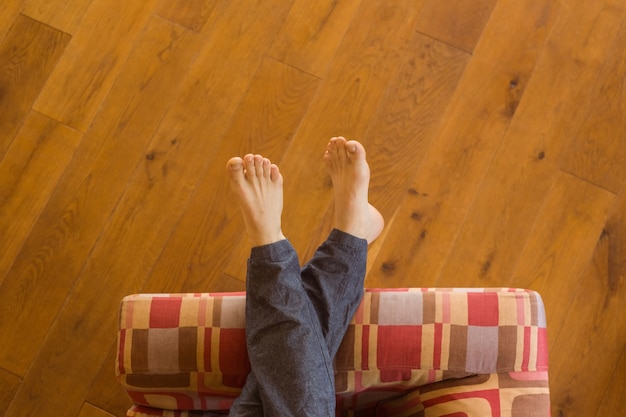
334, 281
296, 320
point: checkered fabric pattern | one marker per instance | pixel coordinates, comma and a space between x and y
511, 394
405, 350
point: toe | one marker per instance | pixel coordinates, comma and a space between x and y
355, 149
336, 146
258, 165
248, 164
235, 168
266, 167
275, 174
235, 164
340, 143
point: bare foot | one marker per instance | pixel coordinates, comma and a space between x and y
350, 174
258, 185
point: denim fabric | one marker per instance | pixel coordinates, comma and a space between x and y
295, 321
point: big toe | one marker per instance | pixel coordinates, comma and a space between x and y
235, 168
355, 150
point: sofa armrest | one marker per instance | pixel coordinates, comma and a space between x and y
182, 351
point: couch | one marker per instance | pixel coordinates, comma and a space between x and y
408, 352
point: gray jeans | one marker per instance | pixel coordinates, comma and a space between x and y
296, 319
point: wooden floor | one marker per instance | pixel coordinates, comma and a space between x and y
495, 132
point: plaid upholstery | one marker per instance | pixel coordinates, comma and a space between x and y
405, 350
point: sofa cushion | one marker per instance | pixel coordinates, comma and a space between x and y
188, 351
405, 338
515, 394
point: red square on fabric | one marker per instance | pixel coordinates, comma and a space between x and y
482, 309
399, 346
233, 353
165, 312
542, 349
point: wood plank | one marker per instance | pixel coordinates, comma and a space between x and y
158, 191
453, 168
458, 23
28, 55
250, 130
598, 151
264, 123
409, 117
562, 240
346, 103
81, 203
60, 14
312, 32
89, 410
557, 98
613, 401
9, 384
590, 320
192, 14
85, 74
28, 175
105, 392
9, 11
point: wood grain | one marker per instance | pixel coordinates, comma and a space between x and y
493, 129
523, 170
598, 150
86, 72
28, 55
264, 123
312, 32
64, 15
344, 105
81, 203
192, 14
601, 338
453, 168
409, 118
459, 23
158, 190
9, 10
105, 392
28, 175
614, 397
9, 384
573, 217
88, 410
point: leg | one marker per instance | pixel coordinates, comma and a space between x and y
291, 368
334, 276
287, 350
248, 404
333, 280
292, 372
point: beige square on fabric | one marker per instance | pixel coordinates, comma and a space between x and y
163, 350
